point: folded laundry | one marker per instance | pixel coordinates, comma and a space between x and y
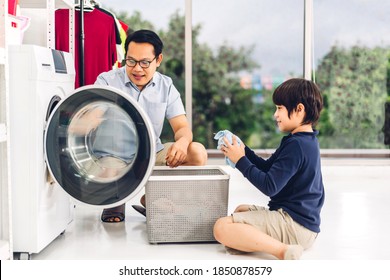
219, 136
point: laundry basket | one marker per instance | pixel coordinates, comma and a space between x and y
183, 203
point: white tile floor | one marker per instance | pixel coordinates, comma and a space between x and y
355, 222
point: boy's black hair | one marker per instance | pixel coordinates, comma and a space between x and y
294, 91
145, 36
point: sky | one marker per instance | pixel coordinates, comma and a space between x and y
274, 27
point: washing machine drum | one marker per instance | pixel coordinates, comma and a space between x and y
100, 146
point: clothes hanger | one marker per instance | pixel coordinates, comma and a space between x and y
95, 3
87, 6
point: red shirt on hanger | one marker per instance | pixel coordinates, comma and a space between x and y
99, 42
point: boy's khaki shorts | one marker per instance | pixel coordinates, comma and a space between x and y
278, 224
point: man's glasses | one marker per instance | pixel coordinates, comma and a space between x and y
143, 63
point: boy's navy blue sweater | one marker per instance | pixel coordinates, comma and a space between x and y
291, 177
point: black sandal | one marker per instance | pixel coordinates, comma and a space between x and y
110, 214
140, 209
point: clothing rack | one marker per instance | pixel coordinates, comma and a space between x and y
84, 6
88, 13
81, 45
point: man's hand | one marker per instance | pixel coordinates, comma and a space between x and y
177, 153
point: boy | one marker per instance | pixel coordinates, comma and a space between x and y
291, 177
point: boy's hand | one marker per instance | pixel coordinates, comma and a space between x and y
233, 151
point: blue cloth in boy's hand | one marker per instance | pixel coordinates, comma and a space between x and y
219, 136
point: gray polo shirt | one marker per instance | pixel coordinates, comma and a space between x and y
160, 99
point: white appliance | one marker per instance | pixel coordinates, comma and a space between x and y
59, 155
40, 209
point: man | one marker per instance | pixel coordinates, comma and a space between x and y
157, 95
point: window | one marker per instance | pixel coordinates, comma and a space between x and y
241, 50
351, 49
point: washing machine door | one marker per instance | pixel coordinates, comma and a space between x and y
100, 146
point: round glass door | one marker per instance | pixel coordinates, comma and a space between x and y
100, 146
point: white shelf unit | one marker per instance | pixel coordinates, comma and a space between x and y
48, 7
42, 17
4, 250
3, 132
2, 55
47, 3
5, 187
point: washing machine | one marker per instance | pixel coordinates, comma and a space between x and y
93, 146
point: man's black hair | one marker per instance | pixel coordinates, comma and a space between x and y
145, 36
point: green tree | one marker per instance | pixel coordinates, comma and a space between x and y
354, 85
219, 100
267, 136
